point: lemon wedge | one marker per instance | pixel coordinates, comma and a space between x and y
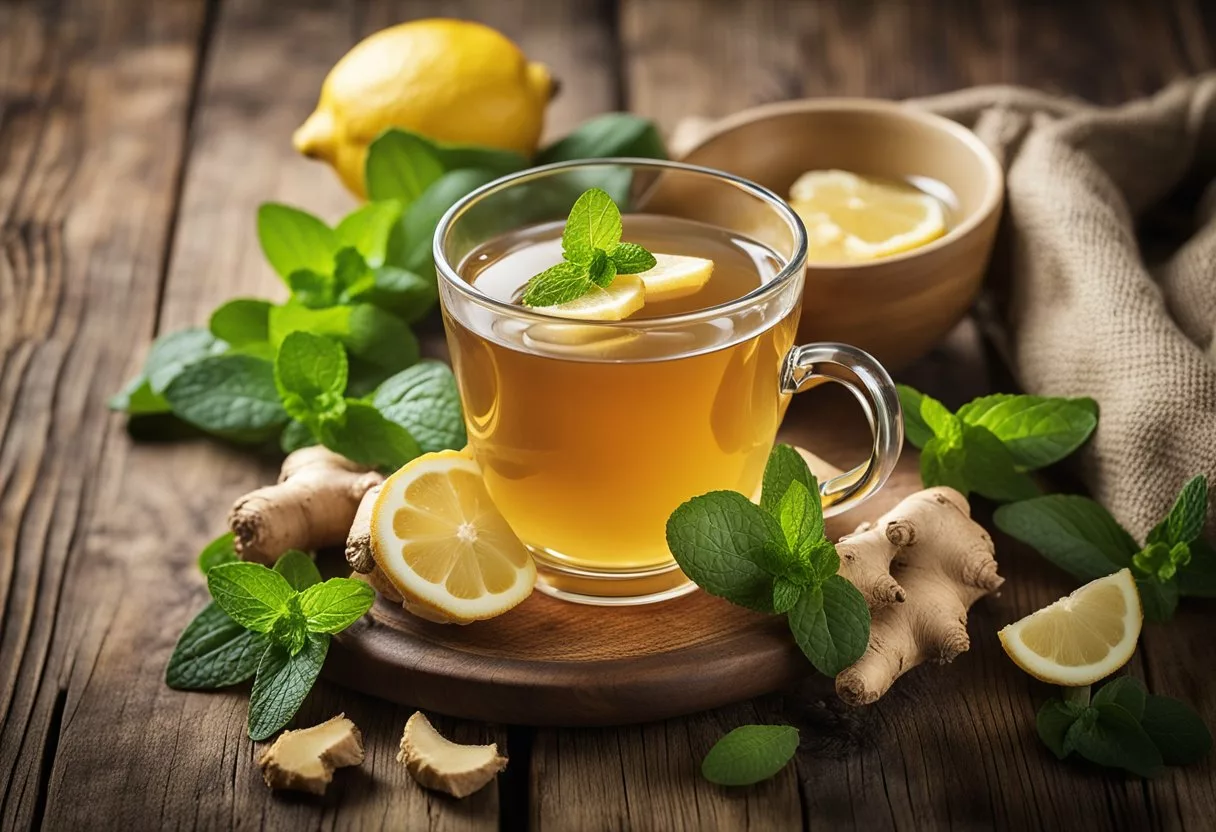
439, 539
1083, 637
676, 276
624, 296
850, 218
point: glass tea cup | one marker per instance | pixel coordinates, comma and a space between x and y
590, 433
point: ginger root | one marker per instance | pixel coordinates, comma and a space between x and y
312, 505
438, 763
942, 563
305, 760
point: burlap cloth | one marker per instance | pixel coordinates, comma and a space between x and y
1083, 305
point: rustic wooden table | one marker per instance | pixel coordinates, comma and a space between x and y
136, 139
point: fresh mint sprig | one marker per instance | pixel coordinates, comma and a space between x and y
271, 625
1124, 727
593, 251
1080, 536
774, 558
990, 443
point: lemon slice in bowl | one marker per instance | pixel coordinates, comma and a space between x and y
439, 539
854, 218
1083, 637
624, 296
676, 276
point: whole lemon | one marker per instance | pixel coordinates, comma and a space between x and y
450, 80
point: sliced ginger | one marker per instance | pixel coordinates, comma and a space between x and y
305, 760
436, 762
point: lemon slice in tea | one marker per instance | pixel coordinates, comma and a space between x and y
676, 276
624, 296
439, 539
854, 218
1083, 637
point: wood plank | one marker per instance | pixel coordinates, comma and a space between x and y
86, 193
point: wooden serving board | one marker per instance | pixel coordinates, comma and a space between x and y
549, 662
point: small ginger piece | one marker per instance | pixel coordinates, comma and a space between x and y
313, 505
438, 763
305, 760
943, 562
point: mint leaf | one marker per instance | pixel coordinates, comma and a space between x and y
251, 594
1177, 731
424, 400
399, 291
310, 373
594, 223
295, 436
1053, 721
557, 284
1075, 533
990, 470
1109, 736
313, 290
296, 317
361, 434
333, 606
942, 463
750, 754
608, 135
785, 594
1199, 577
1036, 430
172, 353
601, 270
282, 684
831, 624
351, 272
289, 627
400, 166
213, 652
293, 240
220, 550
380, 338
242, 321
367, 229
719, 541
1185, 521
1158, 598
631, 258
916, 429
137, 399
1126, 692
410, 243
490, 160
940, 420
230, 394
801, 519
785, 466
298, 569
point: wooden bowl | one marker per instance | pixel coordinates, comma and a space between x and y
898, 307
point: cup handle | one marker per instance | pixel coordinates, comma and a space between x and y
810, 364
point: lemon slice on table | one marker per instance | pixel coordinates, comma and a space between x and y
439, 539
852, 218
1083, 637
624, 296
676, 276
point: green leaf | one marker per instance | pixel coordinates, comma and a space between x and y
1075, 533
831, 624
601, 270
1036, 430
1177, 731
251, 594
1187, 516
801, 518
380, 338
289, 627
1109, 736
310, 373
785, 466
361, 434
456, 157
220, 550
944, 464
399, 291
352, 275
293, 240
282, 684
312, 289
557, 284
172, 353
990, 470
295, 436
367, 229
1053, 721
944, 424
333, 606
137, 399
719, 541
242, 321
1126, 692
750, 754
231, 395
1158, 598
594, 223
296, 317
410, 243
214, 652
424, 400
298, 569
631, 258
1198, 579
609, 135
916, 429
785, 594
400, 166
